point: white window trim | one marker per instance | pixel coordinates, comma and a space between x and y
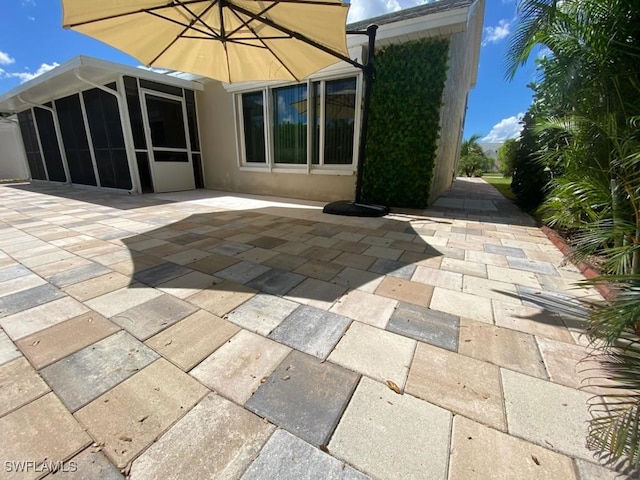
309, 168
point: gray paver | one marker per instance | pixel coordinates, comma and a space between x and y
160, 273
507, 251
544, 268
377, 418
77, 275
25, 299
286, 457
305, 396
8, 350
426, 325
276, 281
262, 313
14, 271
394, 268
150, 317
90, 464
311, 330
88, 373
242, 272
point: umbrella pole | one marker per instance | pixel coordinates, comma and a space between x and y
356, 208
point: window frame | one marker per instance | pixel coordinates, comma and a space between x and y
270, 165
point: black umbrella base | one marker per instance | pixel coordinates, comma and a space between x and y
352, 209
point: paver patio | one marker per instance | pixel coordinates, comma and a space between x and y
210, 335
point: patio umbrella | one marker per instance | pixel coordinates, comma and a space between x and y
228, 40
338, 105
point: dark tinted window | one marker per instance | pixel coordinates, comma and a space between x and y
108, 141
135, 113
50, 146
74, 137
31, 147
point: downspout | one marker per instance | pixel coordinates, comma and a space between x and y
56, 125
125, 130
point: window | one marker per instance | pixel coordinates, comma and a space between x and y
311, 124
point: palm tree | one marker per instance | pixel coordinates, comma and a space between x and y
473, 160
588, 97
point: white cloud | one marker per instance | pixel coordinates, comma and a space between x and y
6, 59
26, 76
497, 33
363, 9
505, 129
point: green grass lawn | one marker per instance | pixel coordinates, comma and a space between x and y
501, 183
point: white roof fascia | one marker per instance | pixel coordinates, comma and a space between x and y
111, 71
431, 25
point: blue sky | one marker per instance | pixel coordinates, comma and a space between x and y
32, 42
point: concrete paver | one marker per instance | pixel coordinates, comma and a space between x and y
376, 353
377, 418
129, 417
192, 339
19, 385
305, 396
550, 415
465, 308
240, 365
88, 373
286, 457
42, 430
516, 459
216, 439
54, 343
460, 384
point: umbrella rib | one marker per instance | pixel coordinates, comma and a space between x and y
132, 12
296, 35
186, 29
244, 23
232, 8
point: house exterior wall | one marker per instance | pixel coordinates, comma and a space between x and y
460, 79
220, 158
13, 163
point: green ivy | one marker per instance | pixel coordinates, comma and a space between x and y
404, 123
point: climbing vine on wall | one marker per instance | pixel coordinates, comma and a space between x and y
404, 123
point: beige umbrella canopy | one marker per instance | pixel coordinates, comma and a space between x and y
229, 40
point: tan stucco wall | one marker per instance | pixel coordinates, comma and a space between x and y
220, 158
462, 51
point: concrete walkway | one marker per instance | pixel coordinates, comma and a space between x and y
205, 335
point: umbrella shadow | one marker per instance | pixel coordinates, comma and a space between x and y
278, 251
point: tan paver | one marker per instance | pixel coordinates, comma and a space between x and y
571, 365
405, 291
480, 453
237, 369
461, 384
217, 439
501, 346
462, 304
223, 297
533, 320
518, 277
51, 344
548, 414
379, 354
128, 418
98, 286
366, 308
27, 435
19, 384
377, 418
118, 301
493, 289
192, 339
438, 278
